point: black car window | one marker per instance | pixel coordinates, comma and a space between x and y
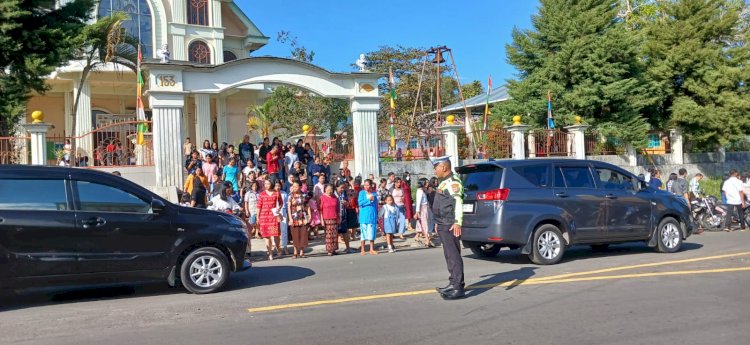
559, 180
578, 177
45, 195
481, 177
611, 179
535, 174
102, 198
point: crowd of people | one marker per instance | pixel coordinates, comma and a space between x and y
289, 195
734, 189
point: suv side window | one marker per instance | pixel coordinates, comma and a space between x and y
33, 195
578, 177
95, 197
611, 179
535, 174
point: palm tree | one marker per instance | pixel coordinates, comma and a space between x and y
260, 120
103, 42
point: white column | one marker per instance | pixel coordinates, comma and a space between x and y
84, 124
38, 132
68, 95
676, 144
365, 125
579, 141
167, 146
221, 120
517, 133
178, 52
178, 11
531, 145
219, 49
202, 119
450, 135
216, 14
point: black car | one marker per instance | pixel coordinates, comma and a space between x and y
79, 227
543, 206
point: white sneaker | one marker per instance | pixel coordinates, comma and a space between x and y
391, 249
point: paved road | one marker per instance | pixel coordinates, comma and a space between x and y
626, 295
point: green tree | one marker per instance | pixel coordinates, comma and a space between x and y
35, 38
472, 89
105, 41
582, 53
407, 65
698, 55
298, 51
260, 119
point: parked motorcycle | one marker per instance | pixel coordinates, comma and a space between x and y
708, 213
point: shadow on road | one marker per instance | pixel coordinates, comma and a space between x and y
270, 275
256, 276
583, 252
492, 281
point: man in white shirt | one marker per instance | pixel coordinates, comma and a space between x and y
734, 190
289, 159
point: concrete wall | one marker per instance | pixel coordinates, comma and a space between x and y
142, 175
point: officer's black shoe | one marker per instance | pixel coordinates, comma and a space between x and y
454, 294
444, 290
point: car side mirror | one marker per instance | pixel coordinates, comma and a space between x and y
643, 185
157, 206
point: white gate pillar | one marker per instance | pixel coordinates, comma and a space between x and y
365, 125
517, 133
579, 140
222, 128
676, 144
450, 134
38, 131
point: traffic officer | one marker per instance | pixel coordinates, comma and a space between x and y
448, 210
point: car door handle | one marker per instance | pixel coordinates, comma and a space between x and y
95, 222
610, 196
562, 195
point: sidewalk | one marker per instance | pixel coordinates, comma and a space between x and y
317, 247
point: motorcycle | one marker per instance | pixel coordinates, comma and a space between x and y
708, 213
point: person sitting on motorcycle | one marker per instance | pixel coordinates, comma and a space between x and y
224, 201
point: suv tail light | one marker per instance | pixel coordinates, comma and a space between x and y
494, 195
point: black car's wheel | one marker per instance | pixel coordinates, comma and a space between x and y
485, 250
669, 236
599, 247
548, 247
204, 270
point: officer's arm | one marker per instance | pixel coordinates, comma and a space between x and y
457, 192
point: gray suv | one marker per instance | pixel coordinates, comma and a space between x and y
543, 206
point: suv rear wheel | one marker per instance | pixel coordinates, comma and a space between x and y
204, 270
669, 236
485, 250
548, 246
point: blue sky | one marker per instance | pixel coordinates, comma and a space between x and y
338, 31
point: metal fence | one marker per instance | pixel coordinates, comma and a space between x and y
550, 143
412, 143
485, 144
597, 144
12, 149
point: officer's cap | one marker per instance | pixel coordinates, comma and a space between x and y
437, 160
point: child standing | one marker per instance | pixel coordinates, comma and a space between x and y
251, 208
315, 219
390, 222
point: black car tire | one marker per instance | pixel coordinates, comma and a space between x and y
669, 236
485, 250
599, 247
548, 246
204, 270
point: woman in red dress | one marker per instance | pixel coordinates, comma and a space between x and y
269, 217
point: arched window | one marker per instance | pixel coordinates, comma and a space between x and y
197, 12
138, 24
199, 52
229, 56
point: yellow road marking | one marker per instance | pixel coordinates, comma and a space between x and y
561, 278
652, 264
